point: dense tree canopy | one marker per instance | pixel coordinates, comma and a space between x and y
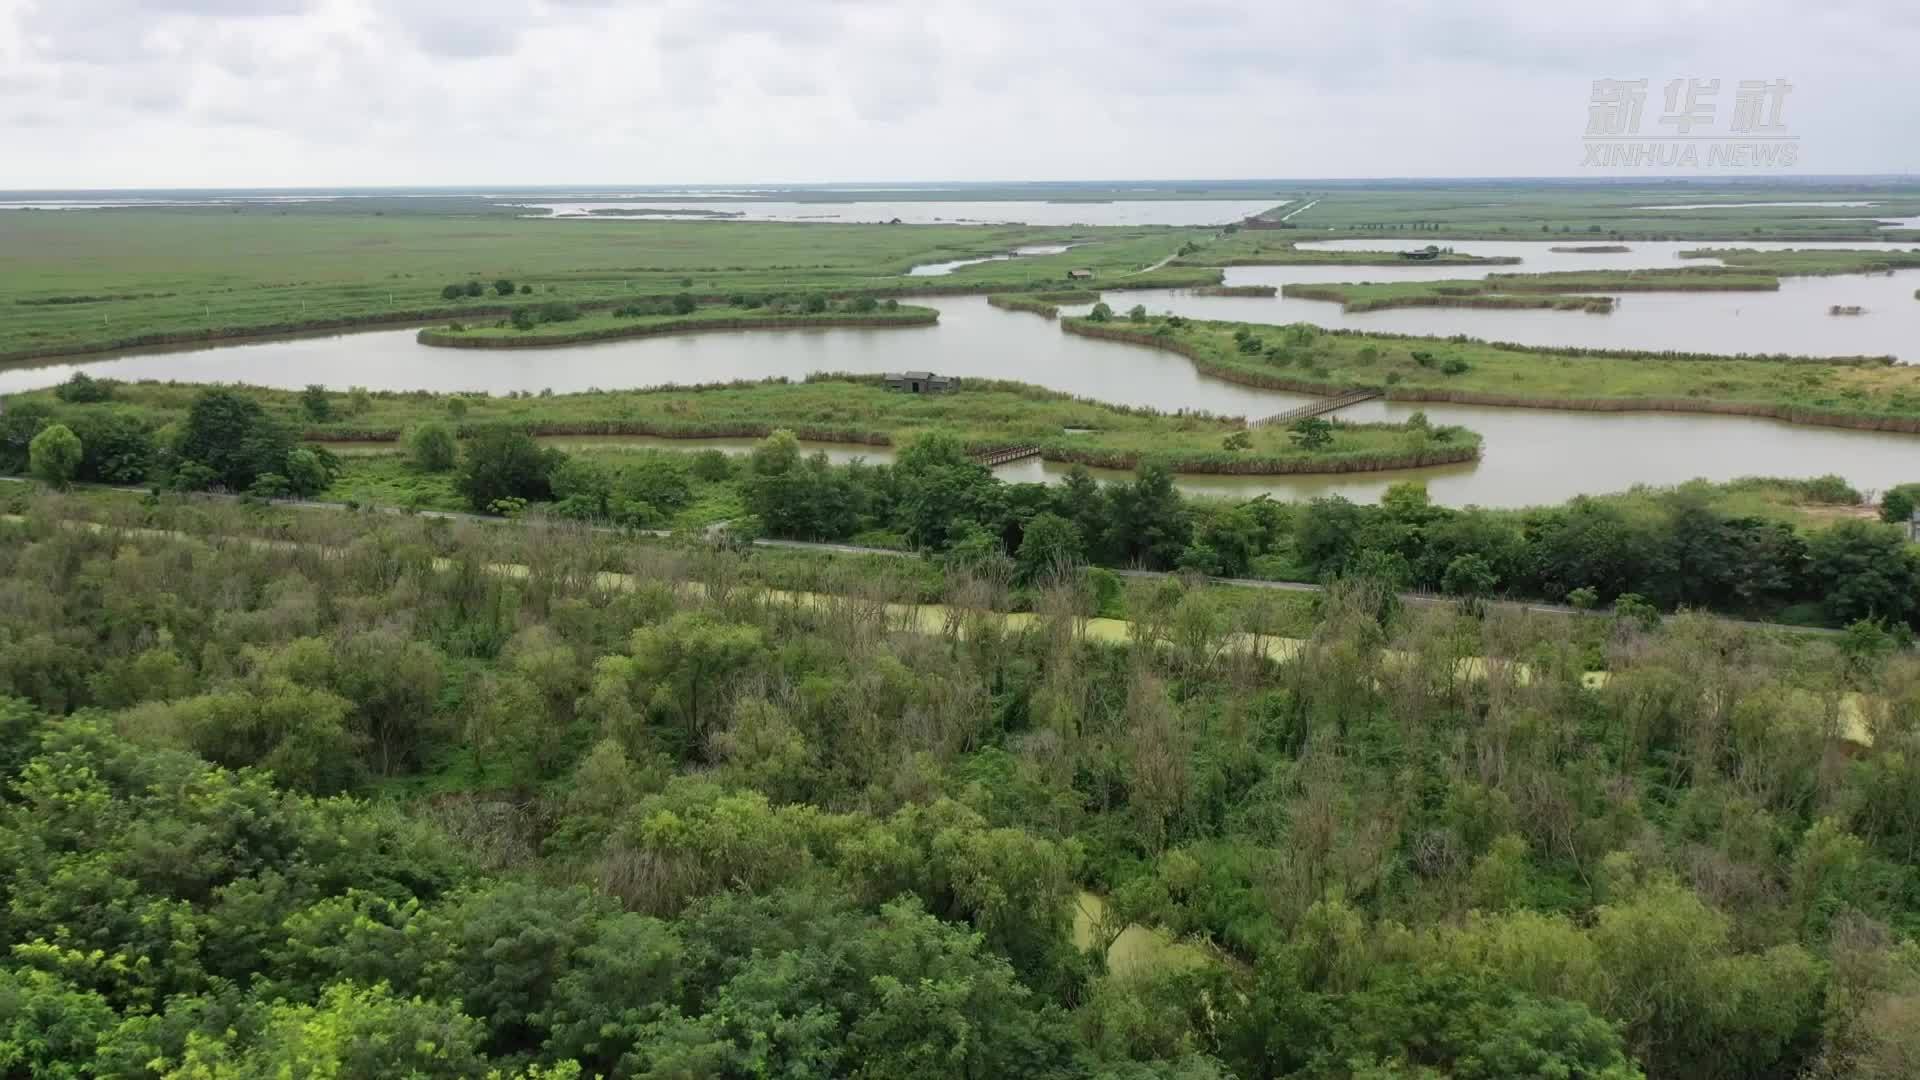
382, 806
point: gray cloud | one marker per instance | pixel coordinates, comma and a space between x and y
517, 91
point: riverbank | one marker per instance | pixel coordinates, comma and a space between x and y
612, 326
1854, 394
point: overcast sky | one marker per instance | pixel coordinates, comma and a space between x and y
164, 93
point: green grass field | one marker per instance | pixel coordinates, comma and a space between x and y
81, 280
1533, 210
77, 281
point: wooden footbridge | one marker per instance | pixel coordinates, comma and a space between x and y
994, 458
1316, 408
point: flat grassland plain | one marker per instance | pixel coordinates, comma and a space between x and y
74, 281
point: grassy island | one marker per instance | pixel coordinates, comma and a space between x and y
1256, 248
629, 323
1809, 262
1237, 290
1045, 304
1548, 290
851, 409
1870, 393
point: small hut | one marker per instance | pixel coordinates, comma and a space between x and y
1431, 251
1080, 274
921, 382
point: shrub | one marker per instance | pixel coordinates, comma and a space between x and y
307, 472
503, 287
505, 463
1100, 313
474, 288
453, 292
315, 403
83, 389
1311, 433
432, 446
1454, 366
684, 303
54, 456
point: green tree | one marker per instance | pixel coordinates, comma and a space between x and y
1137, 313
83, 389
116, 447
1050, 544
316, 404
1100, 312
1898, 503
944, 492
54, 456
1311, 433
684, 303
1863, 570
453, 292
503, 287
433, 446
351, 1031
21, 421
1470, 576
1149, 525
691, 661
307, 473
503, 462
228, 432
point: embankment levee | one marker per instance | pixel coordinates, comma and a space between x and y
1792, 414
465, 339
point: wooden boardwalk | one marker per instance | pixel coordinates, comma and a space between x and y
994, 458
1316, 408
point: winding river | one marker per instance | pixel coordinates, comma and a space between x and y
1531, 457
